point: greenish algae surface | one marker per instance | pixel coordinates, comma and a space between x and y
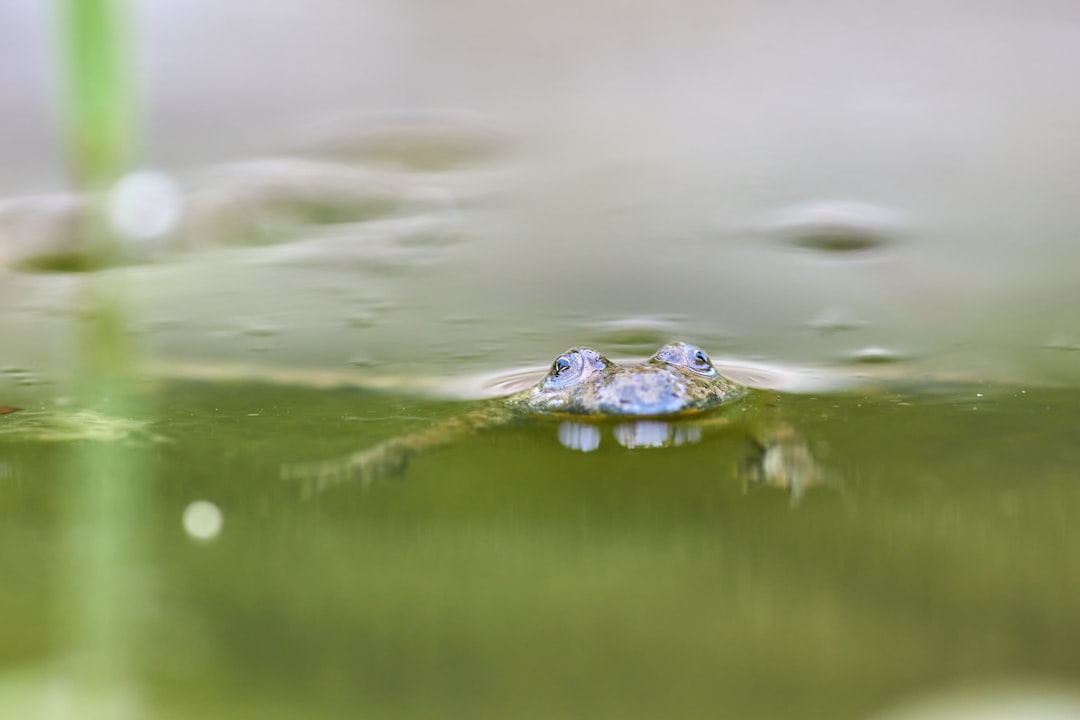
508, 576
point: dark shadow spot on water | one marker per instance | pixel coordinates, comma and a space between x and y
838, 228
837, 240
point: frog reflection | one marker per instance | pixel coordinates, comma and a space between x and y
635, 434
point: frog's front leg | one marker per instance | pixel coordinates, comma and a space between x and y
389, 457
784, 461
782, 458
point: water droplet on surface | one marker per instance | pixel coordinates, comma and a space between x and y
203, 520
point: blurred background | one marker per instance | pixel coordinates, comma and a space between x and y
814, 183
296, 197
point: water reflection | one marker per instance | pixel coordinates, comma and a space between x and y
782, 459
836, 318
655, 433
585, 437
579, 436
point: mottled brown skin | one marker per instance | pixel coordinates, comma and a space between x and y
677, 381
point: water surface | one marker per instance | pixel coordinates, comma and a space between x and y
507, 575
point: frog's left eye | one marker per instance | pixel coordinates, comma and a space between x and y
700, 360
574, 366
566, 370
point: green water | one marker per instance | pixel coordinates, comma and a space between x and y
508, 576
661, 178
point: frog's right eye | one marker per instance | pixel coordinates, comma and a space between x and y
561, 365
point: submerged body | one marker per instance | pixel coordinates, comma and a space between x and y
644, 402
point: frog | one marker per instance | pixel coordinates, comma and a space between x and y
665, 400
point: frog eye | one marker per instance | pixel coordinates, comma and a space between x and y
686, 356
700, 363
568, 368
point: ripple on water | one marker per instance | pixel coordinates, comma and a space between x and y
1063, 343
642, 334
22, 376
753, 374
875, 355
434, 140
260, 330
504, 383
363, 360
838, 228
837, 318
361, 319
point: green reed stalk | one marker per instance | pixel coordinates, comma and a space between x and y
97, 98
102, 492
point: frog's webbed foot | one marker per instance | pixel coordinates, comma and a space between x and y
783, 461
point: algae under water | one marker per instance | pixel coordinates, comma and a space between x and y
507, 575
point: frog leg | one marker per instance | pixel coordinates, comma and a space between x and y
783, 460
390, 456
